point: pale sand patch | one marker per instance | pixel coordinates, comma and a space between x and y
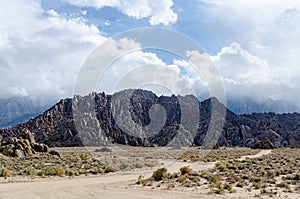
174, 166
261, 153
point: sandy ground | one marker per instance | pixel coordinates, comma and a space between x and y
261, 153
115, 185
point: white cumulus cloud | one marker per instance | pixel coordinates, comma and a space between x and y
259, 56
41, 52
247, 75
160, 12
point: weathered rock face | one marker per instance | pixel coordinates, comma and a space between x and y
21, 146
264, 144
296, 146
100, 119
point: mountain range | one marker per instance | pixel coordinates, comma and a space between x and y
246, 105
16, 110
98, 119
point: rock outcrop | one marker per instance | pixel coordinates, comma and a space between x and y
264, 144
296, 146
124, 117
22, 146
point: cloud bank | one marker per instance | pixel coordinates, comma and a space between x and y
42, 50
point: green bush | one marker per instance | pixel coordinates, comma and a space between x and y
29, 171
159, 174
263, 191
52, 171
182, 179
151, 163
70, 173
216, 178
185, 170
228, 187
219, 191
4, 172
109, 169
220, 166
139, 165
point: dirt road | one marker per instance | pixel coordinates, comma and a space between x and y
114, 185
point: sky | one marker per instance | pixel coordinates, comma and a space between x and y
254, 45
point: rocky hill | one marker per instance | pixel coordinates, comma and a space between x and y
99, 119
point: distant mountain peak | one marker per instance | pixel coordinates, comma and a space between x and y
246, 105
17, 110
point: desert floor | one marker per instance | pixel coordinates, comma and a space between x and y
120, 184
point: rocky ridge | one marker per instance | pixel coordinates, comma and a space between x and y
98, 119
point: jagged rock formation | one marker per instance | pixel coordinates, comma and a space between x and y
21, 146
124, 117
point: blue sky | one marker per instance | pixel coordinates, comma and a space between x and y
254, 45
193, 19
